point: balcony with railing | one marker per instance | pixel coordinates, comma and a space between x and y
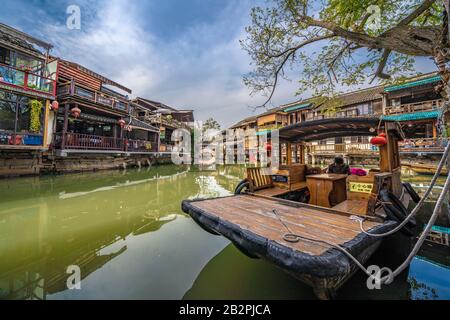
415, 107
97, 97
159, 119
90, 143
140, 146
423, 145
343, 148
81, 141
27, 80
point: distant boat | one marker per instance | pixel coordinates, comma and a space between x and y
427, 169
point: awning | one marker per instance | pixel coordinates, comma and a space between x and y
424, 115
413, 84
298, 107
138, 124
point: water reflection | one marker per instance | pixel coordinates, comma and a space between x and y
49, 223
131, 240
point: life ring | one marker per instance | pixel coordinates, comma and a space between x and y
396, 211
414, 196
241, 186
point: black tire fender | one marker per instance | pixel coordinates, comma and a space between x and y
241, 186
414, 196
396, 211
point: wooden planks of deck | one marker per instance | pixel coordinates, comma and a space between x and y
255, 214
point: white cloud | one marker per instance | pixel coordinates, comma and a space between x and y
200, 69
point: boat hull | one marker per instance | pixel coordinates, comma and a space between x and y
325, 272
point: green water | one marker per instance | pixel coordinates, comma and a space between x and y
128, 235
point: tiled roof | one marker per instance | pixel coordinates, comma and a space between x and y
413, 116
360, 96
413, 83
240, 123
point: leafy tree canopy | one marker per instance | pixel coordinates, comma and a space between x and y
342, 41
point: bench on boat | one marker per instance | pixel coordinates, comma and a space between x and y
287, 179
362, 192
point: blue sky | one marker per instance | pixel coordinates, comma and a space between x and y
185, 53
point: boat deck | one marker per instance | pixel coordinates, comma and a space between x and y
255, 214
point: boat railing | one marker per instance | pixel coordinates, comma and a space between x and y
27, 80
101, 98
415, 107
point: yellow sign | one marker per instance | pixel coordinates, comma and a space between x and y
361, 187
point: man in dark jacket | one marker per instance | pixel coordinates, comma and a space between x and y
338, 167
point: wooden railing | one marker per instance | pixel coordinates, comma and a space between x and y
423, 145
140, 146
343, 148
159, 119
94, 96
81, 141
27, 80
415, 107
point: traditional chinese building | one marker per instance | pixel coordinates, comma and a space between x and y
165, 118
96, 126
27, 89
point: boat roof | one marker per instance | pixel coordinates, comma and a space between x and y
334, 127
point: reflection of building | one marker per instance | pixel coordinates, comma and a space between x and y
38, 245
27, 88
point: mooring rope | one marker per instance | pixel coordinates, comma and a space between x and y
293, 238
419, 205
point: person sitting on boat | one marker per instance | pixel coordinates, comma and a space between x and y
339, 167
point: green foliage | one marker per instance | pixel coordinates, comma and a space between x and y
330, 42
211, 124
35, 116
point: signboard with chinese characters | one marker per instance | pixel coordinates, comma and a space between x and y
361, 187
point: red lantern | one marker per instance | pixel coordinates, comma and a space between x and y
75, 112
55, 106
268, 147
380, 140
122, 123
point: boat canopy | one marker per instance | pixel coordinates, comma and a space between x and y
335, 127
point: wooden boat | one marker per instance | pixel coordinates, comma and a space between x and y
261, 222
426, 169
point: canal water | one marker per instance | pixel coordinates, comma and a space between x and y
126, 232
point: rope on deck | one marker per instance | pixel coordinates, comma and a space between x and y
419, 205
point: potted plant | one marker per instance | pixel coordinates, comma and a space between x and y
35, 116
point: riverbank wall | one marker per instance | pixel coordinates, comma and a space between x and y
33, 163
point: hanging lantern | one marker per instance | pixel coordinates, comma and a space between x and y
268, 147
129, 128
75, 112
55, 106
122, 123
380, 140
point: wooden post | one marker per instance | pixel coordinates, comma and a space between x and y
46, 124
288, 153
66, 125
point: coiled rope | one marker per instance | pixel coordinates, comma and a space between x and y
419, 205
293, 238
